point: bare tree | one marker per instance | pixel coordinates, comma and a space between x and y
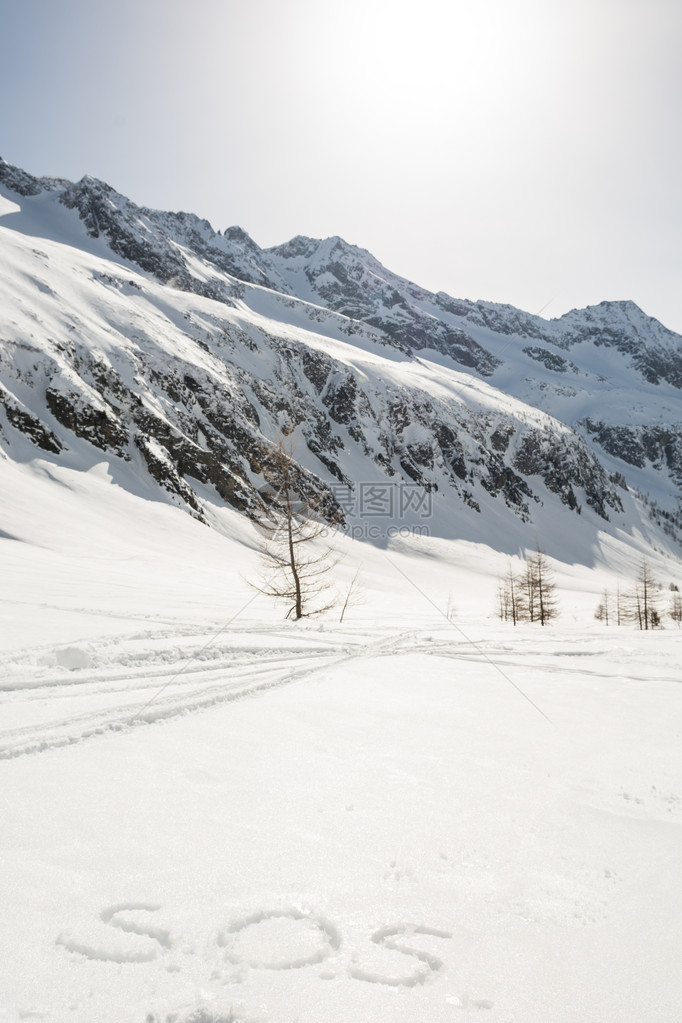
676, 609
643, 598
603, 609
540, 588
353, 595
517, 596
502, 602
619, 606
296, 570
529, 598
511, 599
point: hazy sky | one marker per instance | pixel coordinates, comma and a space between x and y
522, 151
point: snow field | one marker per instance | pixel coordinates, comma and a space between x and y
399, 837
209, 814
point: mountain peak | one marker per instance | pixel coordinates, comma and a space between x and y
301, 246
90, 179
623, 316
238, 236
23, 183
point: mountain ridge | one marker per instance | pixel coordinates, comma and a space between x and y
187, 367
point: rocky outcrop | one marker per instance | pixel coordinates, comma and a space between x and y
564, 463
660, 446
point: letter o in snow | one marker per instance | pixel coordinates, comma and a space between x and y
330, 935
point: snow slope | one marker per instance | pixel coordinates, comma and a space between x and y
210, 814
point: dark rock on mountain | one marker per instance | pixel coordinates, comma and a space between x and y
19, 181
564, 462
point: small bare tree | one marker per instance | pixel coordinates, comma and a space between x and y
353, 596
295, 568
603, 609
643, 601
502, 602
516, 602
529, 596
619, 606
510, 597
540, 588
676, 609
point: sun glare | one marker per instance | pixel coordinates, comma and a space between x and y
408, 69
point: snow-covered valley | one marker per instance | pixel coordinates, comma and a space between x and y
211, 814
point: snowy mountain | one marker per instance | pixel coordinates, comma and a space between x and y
211, 814
178, 352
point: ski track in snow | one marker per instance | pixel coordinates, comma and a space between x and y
136, 679
196, 679
548, 660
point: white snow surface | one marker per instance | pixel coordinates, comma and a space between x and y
210, 814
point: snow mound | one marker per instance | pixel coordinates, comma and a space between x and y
74, 658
